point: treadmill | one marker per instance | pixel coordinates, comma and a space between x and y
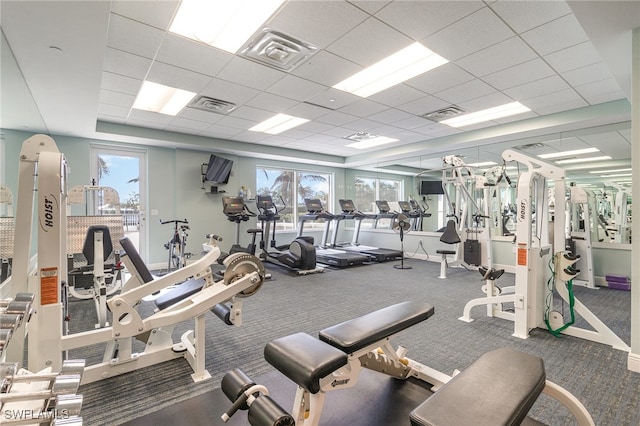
328, 256
376, 253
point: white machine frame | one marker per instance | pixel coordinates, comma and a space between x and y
534, 252
41, 160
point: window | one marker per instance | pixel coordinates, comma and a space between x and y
368, 190
289, 188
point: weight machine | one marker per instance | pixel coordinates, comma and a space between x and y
7, 226
41, 160
621, 213
535, 254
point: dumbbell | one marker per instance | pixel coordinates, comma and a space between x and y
5, 335
14, 311
9, 376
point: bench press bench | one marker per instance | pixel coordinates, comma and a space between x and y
497, 389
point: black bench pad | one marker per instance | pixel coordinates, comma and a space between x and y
445, 252
180, 292
499, 388
353, 335
304, 359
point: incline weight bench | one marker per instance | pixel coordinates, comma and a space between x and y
498, 389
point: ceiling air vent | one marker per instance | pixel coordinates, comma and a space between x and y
212, 105
277, 50
444, 113
530, 146
361, 136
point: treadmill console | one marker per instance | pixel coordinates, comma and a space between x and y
347, 206
383, 206
313, 205
404, 206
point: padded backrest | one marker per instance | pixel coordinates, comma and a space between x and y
138, 263
89, 243
450, 236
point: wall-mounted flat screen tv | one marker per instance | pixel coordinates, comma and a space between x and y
218, 170
430, 187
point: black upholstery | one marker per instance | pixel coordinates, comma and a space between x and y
499, 388
89, 243
138, 263
450, 236
304, 359
361, 332
178, 293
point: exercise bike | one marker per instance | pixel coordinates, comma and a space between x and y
176, 245
299, 256
237, 212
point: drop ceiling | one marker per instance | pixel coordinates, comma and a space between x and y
83, 62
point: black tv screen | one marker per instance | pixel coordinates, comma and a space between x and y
429, 187
218, 170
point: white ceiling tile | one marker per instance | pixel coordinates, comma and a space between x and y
109, 112
296, 133
336, 118
486, 101
333, 99
519, 74
361, 125
141, 116
574, 57
397, 95
502, 55
116, 98
308, 111
419, 19
412, 123
229, 92
250, 74
313, 126
191, 55
194, 114
390, 116
517, 117
369, 43
468, 35
183, 123
363, 108
295, 88
537, 88
556, 35
249, 113
120, 83
218, 131
119, 62
236, 123
300, 19
556, 102
270, 102
443, 77
180, 78
465, 91
600, 91
158, 15
370, 6
525, 15
423, 105
326, 68
251, 136
338, 132
133, 37
588, 74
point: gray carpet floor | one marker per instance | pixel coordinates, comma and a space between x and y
593, 372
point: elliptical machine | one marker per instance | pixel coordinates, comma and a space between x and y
299, 256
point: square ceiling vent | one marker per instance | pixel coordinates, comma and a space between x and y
361, 136
277, 50
444, 113
218, 106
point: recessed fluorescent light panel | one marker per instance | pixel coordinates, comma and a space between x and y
489, 114
371, 142
278, 124
617, 175
157, 97
610, 171
226, 25
583, 160
481, 164
401, 66
568, 153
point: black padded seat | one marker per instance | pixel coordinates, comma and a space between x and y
304, 359
446, 251
499, 388
138, 263
450, 236
179, 292
353, 335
